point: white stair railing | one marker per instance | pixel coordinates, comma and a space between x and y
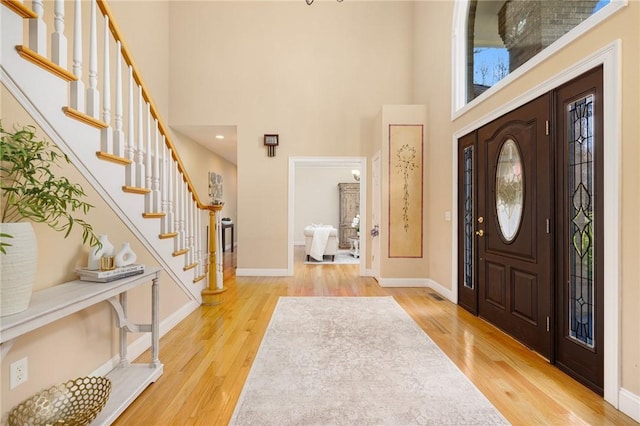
151, 165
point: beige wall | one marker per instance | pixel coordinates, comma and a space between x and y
148, 43
315, 75
79, 344
199, 161
404, 268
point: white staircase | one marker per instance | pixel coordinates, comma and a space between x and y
129, 159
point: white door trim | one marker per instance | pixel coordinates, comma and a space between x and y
353, 162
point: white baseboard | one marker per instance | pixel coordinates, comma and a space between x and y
403, 282
629, 403
448, 293
417, 282
141, 344
251, 272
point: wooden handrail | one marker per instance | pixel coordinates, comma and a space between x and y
20, 9
115, 31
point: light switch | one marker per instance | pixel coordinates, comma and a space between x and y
447, 216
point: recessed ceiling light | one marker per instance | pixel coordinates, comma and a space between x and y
219, 137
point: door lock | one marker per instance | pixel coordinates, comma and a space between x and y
480, 232
481, 219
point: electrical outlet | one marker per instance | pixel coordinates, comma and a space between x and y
19, 372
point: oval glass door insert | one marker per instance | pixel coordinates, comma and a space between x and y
509, 190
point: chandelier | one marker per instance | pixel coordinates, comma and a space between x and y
311, 1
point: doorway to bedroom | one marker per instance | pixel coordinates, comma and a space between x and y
326, 193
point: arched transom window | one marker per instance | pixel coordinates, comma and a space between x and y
495, 38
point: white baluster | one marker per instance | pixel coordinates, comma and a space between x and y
179, 212
38, 30
176, 216
107, 134
183, 214
130, 173
164, 189
171, 216
155, 174
58, 39
192, 228
139, 154
148, 161
185, 218
118, 136
188, 234
93, 96
77, 86
198, 242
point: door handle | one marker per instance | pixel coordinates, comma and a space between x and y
480, 232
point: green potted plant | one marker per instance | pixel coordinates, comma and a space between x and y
32, 192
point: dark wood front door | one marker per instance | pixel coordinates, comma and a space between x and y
530, 226
513, 216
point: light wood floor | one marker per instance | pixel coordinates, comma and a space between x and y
208, 355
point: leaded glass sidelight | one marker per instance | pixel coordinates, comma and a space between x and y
581, 220
468, 217
509, 190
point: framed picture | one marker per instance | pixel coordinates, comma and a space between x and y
405, 190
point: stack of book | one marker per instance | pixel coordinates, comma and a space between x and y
99, 276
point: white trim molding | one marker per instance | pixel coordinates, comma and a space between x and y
404, 282
610, 58
630, 404
353, 162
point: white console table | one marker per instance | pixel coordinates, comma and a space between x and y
48, 305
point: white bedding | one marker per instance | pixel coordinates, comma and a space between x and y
319, 241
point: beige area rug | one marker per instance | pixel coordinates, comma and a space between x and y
355, 361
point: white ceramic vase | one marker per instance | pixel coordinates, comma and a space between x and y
125, 256
18, 267
95, 255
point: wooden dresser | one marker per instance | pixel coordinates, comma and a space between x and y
349, 208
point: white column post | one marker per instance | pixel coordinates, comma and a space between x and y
139, 153
93, 96
130, 173
38, 30
118, 136
77, 86
58, 40
106, 134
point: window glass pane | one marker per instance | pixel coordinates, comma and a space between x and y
503, 35
468, 217
509, 190
581, 220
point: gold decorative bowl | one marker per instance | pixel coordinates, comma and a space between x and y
76, 402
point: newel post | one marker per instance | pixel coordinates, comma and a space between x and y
212, 294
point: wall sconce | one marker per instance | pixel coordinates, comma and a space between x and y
356, 175
271, 141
